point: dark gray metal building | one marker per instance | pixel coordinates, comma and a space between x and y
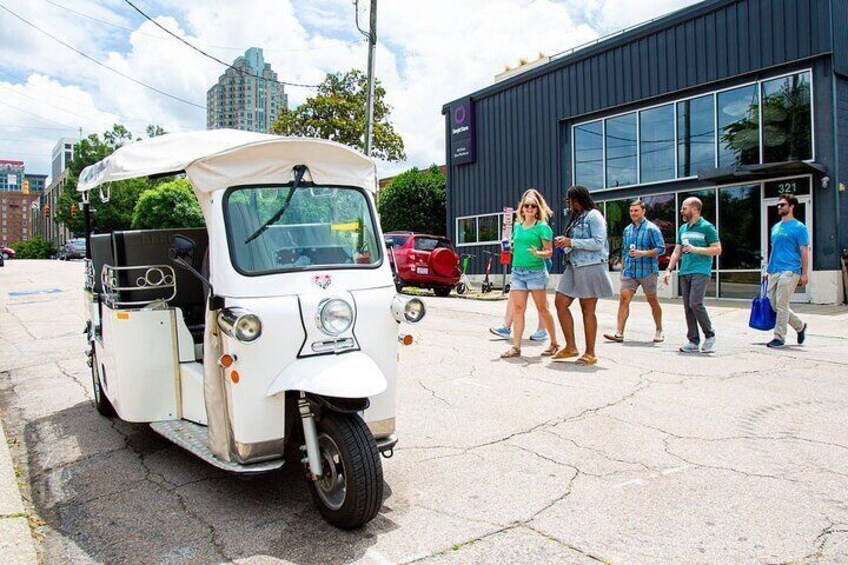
735, 101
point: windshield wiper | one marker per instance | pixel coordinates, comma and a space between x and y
299, 171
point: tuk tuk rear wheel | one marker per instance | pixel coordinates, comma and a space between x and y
101, 402
350, 492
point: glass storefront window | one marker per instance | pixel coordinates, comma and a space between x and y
738, 127
656, 144
589, 155
618, 216
466, 230
787, 119
695, 136
739, 285
661, 209
740, 227
707, 198
620, 136
489, 228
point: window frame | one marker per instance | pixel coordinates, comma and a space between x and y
476, 217
758, 83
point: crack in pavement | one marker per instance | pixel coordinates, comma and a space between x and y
433, 394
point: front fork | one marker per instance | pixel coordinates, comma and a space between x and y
310, 436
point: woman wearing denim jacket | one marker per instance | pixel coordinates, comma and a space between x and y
585, 274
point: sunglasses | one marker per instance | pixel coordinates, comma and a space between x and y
529, 206
782, 204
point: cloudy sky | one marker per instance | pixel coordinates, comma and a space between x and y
429, 52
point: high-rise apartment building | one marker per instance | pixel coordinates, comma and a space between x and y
61, 156
11, 175
247, 96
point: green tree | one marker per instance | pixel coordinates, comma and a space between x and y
337, 112
35, 248
169, 205
117, 213
414, 201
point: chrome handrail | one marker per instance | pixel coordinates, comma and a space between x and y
89, 275
151, 278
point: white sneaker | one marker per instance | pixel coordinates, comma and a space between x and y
709, 345
659, 337
689, 347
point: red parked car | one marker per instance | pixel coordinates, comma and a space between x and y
424, 261
7, 252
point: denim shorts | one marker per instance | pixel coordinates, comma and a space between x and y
523, 279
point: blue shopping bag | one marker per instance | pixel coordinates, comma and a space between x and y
763, 317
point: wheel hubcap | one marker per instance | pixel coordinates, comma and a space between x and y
331, 486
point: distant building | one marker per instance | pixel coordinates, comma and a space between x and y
246, 97
37, 183
11, 175
16, 215
61, 156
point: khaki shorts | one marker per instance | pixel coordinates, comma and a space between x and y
649, 283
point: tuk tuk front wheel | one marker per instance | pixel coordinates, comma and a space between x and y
350, 492
101, 402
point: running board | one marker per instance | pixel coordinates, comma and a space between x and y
193, 438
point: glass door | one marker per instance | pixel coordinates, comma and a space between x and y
804, 214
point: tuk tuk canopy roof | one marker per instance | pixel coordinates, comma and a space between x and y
217, 159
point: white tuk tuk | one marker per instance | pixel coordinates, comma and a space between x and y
275, 326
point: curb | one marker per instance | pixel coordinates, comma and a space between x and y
16, 544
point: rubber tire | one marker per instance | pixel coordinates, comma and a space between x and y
363, 471
443, 291
460, 288
101, 402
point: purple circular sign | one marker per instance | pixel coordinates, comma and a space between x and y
459, 115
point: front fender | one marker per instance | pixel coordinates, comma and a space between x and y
347, 375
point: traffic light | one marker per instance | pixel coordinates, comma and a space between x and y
46, 210
73, 209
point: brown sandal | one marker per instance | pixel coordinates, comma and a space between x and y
511, 353
551, 350
586, 359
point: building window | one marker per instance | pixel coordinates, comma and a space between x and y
480, 230
656, 144
620, 140
695, 136
617, 213
589, 154
787, 119
739, 127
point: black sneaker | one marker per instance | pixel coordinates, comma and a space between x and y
775, 344
802, 335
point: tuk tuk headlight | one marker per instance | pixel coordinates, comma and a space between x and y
335, 316
409, 310
240, 324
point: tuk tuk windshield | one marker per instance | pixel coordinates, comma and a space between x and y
272, 228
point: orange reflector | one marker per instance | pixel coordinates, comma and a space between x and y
234, 376
123, 315
226, 360
407, 339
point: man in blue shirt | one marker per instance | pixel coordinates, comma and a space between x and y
641, 245
788, 265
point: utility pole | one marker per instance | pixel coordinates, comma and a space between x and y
372, 48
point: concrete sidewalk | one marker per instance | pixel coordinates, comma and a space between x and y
16, 544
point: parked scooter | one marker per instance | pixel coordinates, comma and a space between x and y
488, 285
464, 284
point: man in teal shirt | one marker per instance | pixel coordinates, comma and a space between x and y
697, 243
788, 265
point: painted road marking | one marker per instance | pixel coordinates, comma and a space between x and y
32, 292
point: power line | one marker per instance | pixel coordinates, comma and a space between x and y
30, 113
45, 103
105, 66
216, 59
229, 48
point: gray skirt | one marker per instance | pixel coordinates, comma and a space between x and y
590, 281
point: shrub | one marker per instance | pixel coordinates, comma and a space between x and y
35, 248
414, 201
169, 205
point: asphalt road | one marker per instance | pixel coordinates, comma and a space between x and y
649, 457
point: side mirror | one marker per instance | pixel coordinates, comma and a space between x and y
182, 253
183, 249
389, 243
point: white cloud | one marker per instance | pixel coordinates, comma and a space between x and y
429, 53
